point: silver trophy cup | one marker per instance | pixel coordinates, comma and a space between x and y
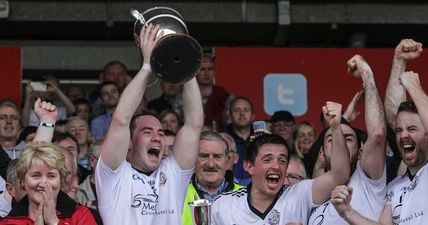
201, 211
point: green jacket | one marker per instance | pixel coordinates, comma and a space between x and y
193, 194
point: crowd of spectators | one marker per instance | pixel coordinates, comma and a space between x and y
110, 157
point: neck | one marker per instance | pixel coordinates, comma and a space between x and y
7, 144
211, 188
206, 90
83, 150
242, 132
110, 110
414, 169
260, 201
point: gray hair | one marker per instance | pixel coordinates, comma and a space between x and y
214, 136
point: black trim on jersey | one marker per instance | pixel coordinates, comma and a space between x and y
257, 212
140, 171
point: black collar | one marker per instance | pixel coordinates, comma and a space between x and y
65, 206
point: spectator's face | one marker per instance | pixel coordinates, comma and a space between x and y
147, 144
412, 139
351, 142
9, 123
171, 90
109, 95
206, 74
211, 163
74, 93
269, 169
305, 138
282, 128
65, 146
295, 173
41, 179
80, 130
241, 113
170, 122
117, 74
83, 111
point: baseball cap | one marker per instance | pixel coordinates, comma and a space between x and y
283, 115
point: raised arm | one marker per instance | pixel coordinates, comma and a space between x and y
411, 83
115, 146
341, 197
373, 154
62, 97
186, 142
406, 51
339, 160
48, 115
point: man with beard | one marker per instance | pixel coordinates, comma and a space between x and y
406, 195
242, 116
368, 178
211, 177
266, 200
134, 185
109, 97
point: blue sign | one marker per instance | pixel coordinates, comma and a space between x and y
285, 91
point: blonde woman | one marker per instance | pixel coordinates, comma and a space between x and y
41, 171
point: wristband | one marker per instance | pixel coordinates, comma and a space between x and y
46, 124
349, 214
146, 67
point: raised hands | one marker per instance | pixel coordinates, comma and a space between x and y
357, 66
46, 212
410, 80
46, 111
351, 113
341, 197
148, 38
407, 50
332, 112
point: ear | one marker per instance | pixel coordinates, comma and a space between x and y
248, 166
10, 189
236, 159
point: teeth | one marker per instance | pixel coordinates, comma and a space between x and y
407, 146
273, 176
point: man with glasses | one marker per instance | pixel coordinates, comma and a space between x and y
295, 171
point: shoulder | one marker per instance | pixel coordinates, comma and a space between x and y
240, 193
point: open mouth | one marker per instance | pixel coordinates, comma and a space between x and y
154, 151
272, 179
408, 148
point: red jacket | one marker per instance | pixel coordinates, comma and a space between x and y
68, 212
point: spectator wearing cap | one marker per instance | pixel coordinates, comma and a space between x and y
282, 124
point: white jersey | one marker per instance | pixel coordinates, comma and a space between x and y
368, 198
126, 196
5, 204
292, 204
408, 198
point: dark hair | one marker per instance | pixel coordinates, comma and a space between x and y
169, 133
59, 136
132, 124
82, 101
105, 83
408, 106
25, 132
170, 111
252, 146
358, 133
111, 63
